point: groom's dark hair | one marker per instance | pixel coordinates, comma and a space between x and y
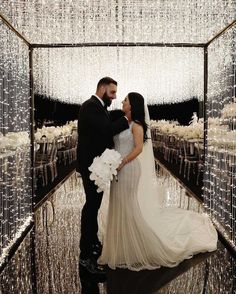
106, 81
136, 101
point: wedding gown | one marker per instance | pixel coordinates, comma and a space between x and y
159, 237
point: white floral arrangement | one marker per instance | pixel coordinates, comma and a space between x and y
193, 131
66, 130
104, 168
222, 139
164, 126
229, 110
73, 124
52, 133
49, 132
213, 121
13, 140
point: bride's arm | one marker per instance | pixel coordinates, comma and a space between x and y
138, 145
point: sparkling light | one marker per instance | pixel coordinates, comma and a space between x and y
18, 272
15, 163
69, 21
57, 239
162, 75
220, 174
57, 21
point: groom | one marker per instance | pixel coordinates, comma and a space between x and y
95, 134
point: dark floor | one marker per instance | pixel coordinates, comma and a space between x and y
121, 281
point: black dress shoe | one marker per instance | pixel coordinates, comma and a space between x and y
96, 250
91, 266
97, 246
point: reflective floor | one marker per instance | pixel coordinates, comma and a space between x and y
57, 257
57, 239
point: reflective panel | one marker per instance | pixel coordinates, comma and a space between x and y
57, 250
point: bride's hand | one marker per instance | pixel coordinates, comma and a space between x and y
124, 161
120, 166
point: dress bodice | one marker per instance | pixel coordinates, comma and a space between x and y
124, 141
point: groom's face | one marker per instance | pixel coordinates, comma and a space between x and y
109, 94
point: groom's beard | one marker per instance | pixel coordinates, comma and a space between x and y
106, 99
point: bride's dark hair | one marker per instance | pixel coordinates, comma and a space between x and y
136, 101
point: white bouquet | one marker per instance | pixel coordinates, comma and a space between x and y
104, 168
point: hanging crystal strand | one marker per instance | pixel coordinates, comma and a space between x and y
70, 74
136, 21
10, 196
5, 193
220, 156
14, 111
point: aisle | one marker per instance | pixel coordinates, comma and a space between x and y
57, 251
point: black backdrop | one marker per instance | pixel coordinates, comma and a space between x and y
53, 110
59, 113
182, 111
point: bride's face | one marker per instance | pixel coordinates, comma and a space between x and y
126, 105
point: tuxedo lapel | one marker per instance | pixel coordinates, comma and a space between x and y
107, 113
99, 104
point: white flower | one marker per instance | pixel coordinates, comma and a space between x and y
66, 130
104, 168
213, 121
73, 124
4, 143
229, 110
13, 140
18, 138
38, 135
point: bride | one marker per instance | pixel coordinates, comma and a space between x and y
140, 233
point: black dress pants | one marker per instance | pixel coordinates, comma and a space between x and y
89, 222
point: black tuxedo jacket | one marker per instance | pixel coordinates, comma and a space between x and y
95, 132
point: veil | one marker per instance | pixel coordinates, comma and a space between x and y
150, 193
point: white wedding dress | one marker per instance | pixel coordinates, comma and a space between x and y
139, 237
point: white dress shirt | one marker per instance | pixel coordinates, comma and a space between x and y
103, 104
